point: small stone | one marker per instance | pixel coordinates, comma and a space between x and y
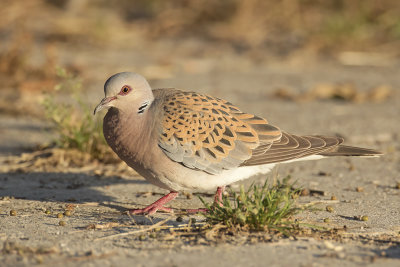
333, 197
188, 195
179, 219
364, 218
60, 215
13, 213
62, 223
327, 220
192, 220
142, 237
67, 213
305, 192
359, 189
47, 211
91, 226
330, 209
398, 185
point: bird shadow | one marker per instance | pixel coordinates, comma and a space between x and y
351, 218
63, 187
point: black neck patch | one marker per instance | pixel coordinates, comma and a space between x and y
143, 107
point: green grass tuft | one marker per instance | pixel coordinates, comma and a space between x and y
267, 207
72, 118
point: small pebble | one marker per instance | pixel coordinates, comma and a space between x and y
327, 220
398, 185
329, 209
13, 213
60, 215
359, 189
91, 226
67, 213
364, 218
142, 237
179, 219
305, 192
192, 220
62, 223
333, 198
47, 211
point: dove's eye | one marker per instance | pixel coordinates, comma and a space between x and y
125, 90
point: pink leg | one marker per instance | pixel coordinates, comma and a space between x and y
218, 196
217, 201
158, 205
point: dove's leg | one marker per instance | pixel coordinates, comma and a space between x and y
217, 201
158, 205
218, 196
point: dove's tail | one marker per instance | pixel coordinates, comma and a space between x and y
342, 150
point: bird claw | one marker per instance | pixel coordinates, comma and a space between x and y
150, 210
158, 205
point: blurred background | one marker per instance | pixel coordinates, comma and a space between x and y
249, 52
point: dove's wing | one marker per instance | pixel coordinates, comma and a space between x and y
210, 134
291, 147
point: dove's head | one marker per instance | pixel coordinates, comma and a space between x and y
126, 91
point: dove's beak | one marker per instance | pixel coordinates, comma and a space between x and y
105, 103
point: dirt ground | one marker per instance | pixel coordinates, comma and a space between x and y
98, 233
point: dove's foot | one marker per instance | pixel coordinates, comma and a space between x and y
217, 201
158, 205
218, 196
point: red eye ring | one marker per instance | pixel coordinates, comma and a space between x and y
125, 90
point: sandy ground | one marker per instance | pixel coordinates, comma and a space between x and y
97, 201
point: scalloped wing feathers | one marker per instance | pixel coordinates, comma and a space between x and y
210, 134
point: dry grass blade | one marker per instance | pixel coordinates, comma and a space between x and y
154, 226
